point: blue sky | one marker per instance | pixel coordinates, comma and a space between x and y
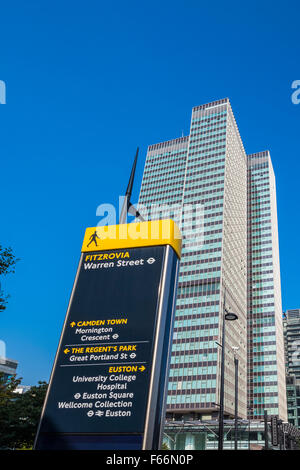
87, 82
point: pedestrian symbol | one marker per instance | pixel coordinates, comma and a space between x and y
93, 238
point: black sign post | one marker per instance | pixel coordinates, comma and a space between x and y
108, 384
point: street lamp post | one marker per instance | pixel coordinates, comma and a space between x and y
230, 317
236, 374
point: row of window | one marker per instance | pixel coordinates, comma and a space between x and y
195, 371
210, 145
192, 345
207, 172
195, 399
197, 321
192, 384
202, 164
209, 300
208, 135
190, 358
205, 332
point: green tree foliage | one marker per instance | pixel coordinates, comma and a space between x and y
7, 412
7, 265
165, 446
19, 413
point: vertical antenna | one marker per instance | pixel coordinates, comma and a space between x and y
127, 206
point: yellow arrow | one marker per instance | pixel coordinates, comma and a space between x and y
142, 368
72, 324
66, 351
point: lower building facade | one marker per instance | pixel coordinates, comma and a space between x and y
251, 435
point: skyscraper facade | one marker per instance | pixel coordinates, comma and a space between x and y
225, 204
205, 171
293, 400
291, 325
266, 368
291, 328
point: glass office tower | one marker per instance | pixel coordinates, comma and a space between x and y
291, 329
203, 177
266, 367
